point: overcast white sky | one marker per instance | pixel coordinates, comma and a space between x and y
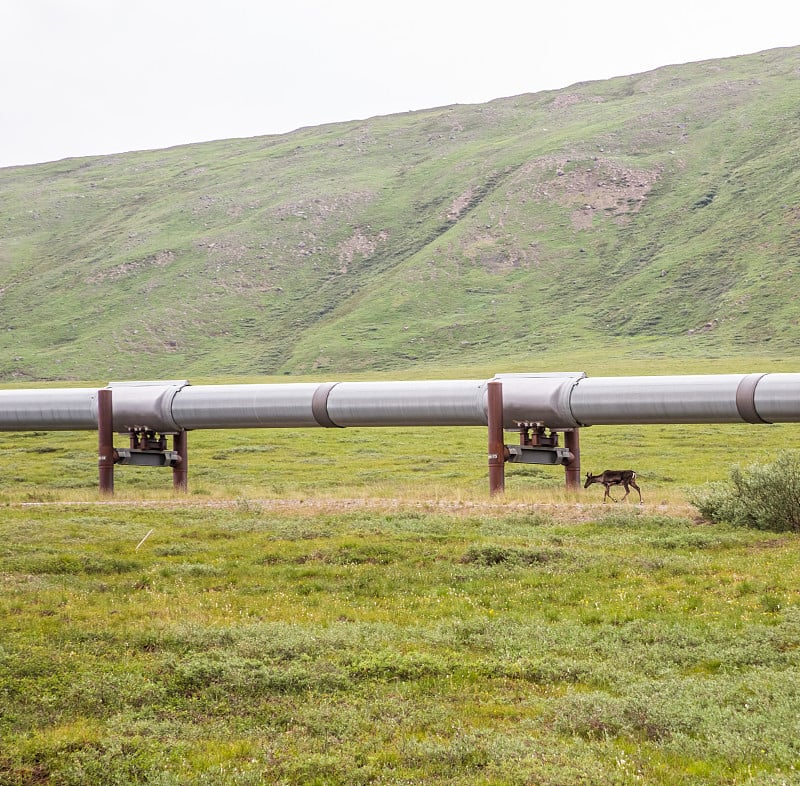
87, 77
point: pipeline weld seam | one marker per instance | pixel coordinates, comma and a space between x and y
746, 399
319, 405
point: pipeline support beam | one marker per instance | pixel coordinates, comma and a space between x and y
572, 469
180, 470
497, 448
105, 441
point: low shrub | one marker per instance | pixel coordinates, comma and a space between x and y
490, 555
760, 496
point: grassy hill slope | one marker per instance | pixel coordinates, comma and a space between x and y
658, 213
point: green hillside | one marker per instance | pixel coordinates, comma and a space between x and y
652, 214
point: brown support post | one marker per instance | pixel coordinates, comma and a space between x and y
572, 470
180, 472
105, 441
497, 472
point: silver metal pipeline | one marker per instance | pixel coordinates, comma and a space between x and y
709, 398
343, 404
556, 400
71, 409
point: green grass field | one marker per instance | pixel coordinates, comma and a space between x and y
244, 643
350, 607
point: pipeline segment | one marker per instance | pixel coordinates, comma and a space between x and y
557, 400
703, 398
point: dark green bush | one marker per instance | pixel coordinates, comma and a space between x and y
501, 555
760, 496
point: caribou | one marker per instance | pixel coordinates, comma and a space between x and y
616, 477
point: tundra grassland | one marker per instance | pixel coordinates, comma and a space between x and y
350, 607
314, 644
655, 211
410, 464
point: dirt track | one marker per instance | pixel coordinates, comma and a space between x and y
313, 506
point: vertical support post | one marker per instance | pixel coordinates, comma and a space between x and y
105, 441
572, 469
180, 472
497, 472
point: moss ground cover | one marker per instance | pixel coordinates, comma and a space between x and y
245, 643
